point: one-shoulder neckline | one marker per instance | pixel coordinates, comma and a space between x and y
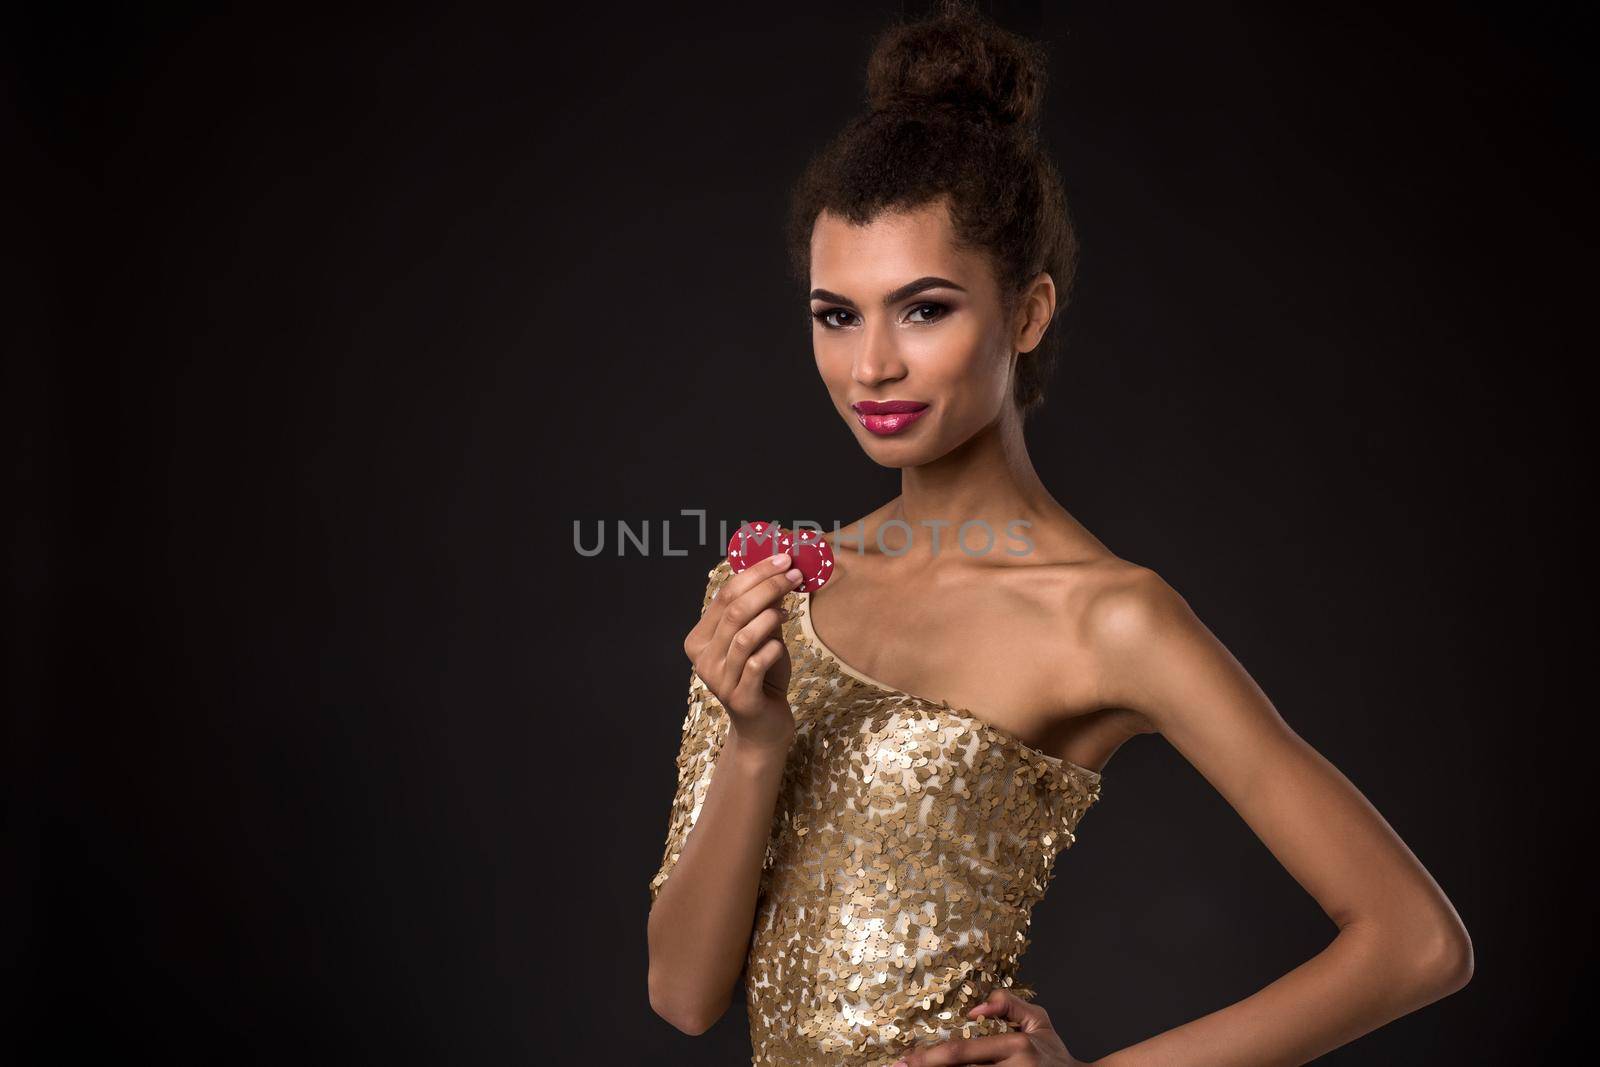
810, 634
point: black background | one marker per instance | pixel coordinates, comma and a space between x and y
325, 745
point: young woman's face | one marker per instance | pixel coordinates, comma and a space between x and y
945, 348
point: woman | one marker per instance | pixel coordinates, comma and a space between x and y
879, 775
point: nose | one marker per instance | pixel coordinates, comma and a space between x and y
877, 360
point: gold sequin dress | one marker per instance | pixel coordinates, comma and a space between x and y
909, 844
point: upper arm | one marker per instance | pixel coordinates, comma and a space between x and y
1158, 659
705, 727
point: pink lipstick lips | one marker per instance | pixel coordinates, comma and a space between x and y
885, 417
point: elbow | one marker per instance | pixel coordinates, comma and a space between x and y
693, 1025
1456, 971
687, 1014
1445, 966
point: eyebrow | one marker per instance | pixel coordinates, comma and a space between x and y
909, 289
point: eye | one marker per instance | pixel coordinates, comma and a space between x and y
823, 317
932, 311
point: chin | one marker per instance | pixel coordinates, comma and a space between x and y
896, 454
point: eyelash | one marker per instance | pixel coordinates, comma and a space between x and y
822, 316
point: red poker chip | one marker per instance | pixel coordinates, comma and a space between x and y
754, 542
811, 554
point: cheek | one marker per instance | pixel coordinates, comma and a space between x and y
966, 364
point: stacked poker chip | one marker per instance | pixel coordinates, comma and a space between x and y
756, 541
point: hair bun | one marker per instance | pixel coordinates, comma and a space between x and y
958, 59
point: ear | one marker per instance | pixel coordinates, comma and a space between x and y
1034, 312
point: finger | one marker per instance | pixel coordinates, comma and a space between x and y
751, 576
707, 643
751, 636
702, 634
777, 676
753, 680
995, 1048
1004, 1004
756, 598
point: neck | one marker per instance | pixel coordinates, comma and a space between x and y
989, 478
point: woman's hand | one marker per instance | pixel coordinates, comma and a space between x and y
737, 655
1034, 1044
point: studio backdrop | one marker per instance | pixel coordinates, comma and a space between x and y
340, 342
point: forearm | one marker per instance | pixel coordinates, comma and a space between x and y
1358, 983
699, 927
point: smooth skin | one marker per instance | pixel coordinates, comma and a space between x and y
1066, 647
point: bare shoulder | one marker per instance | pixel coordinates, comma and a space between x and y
1121, 617
1126, 607
1102, 599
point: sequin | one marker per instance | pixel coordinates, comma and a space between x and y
909, 844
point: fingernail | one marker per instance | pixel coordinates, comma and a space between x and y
781, 559
794, 575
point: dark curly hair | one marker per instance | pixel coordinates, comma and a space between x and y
954, 113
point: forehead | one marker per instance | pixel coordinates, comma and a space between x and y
888, 251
